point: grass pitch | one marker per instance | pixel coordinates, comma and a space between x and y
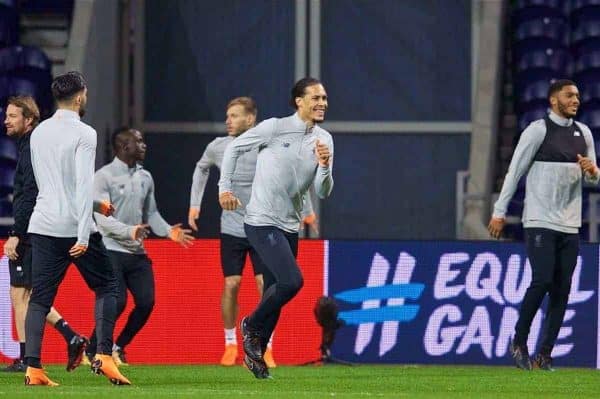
362, 381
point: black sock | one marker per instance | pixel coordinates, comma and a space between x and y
33, 362
65, 330
22, 350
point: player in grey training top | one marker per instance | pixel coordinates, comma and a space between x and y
557, 153
241, 115
294, 153
63, 151
126, 184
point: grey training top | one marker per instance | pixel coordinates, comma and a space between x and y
63, 151
232, 222
131, 191
286, 167
553, 189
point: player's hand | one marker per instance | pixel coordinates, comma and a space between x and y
228, 201
140, 232
322, 153
77, 250
193, 214
312, 222
587, 165
10, 248
496, 226
105, 208
181, 236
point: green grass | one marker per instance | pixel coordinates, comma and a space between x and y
364, 381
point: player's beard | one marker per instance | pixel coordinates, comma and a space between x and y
564, 110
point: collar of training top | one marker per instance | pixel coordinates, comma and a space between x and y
66, 113
559, 120
300, 124
123, 166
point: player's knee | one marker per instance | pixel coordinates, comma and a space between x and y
146, 305
232, 284
292, 287
121, 303
298, 283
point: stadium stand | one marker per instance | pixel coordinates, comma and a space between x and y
548, 40
24, 70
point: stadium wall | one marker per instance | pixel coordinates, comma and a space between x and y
425, 302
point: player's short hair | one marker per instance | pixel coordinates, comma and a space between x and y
119, 135
28, 107
558, 85
65, 87
247, 102
299, 89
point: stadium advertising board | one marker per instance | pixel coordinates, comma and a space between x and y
186, 326
449, 303
402, 302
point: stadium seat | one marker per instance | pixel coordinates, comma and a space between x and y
529, 77
23, 57
526, 10
558, 4
583, 8
8, 152
590, 115
555, 29
586, 29
17, 86
7, 177
47, 7
533, 92
529, 116
588, 64
589, 91
535, 54
585, 35
9, 26
9, 3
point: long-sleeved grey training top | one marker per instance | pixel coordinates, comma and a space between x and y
63, 152
131, 191
286, 166
232, 222
553, 189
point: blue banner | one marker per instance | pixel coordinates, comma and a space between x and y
450, 303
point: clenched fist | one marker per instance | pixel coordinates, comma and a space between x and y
322, 153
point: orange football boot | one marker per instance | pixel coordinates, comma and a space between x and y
35, 376
104, 364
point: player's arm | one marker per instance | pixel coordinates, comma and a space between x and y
23, 212
110, 226
85, 156
529, 143
253, 138
159, 226
199, 180
308, 214
323, 182
588, 164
